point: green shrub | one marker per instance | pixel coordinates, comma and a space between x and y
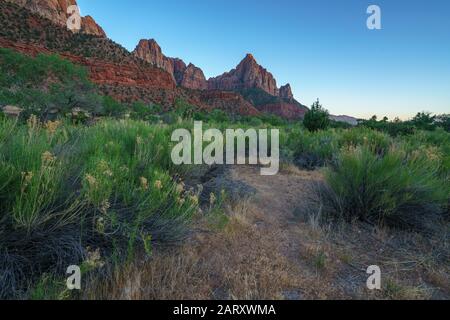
113, 108
424, 121
142, 111
183, 109
396, 189
317, 118
45, 83
311, 150
65, 188
375, 141
443, 121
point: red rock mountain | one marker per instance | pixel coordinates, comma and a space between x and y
150, 51
249, 74
56, 11
190, 76
146, 74
89, 26
193, 78
286, 92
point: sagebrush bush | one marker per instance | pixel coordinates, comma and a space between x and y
311, 150
435, 143
397, 189
67, 190
377, 142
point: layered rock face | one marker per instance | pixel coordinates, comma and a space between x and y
193, 78
178, 69
89, 26
285, 110
150, 51
190, 76
56, 11
106, 72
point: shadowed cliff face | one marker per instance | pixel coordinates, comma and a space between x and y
56, 11
193, 78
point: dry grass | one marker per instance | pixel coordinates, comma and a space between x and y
271, 250
412, 266
238, 262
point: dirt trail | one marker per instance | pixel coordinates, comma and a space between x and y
269, 249
276, 200
332, 264
277, 196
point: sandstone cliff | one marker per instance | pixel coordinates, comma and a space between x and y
150, 51
286, 92
190, 76
193, 78
56, 11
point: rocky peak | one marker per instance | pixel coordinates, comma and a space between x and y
150, 51
89, 26
286, 92
193, 78
56, 11
178, 69
190, 76
248, 74
249, 58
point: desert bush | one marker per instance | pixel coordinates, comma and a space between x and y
67, 190
375, 141
112, 108
141, 111
397, 189
435, 144
184, 109
311, 150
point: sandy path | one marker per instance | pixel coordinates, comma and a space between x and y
278, 201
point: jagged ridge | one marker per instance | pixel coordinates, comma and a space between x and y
145, 74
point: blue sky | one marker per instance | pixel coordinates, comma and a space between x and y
322, 47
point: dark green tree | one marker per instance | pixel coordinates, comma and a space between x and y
424, 121
317, 118
443, 121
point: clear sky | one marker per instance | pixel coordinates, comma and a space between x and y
321, 47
